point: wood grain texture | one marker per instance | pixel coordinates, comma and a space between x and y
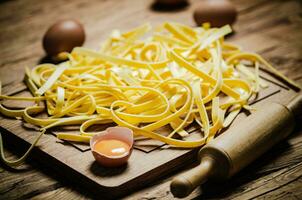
272, 28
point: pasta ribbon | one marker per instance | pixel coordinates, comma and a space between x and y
175, 77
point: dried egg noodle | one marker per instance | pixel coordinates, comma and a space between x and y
175, 76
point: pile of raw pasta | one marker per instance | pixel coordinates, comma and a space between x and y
142, 79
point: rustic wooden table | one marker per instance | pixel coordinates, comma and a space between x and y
271, 28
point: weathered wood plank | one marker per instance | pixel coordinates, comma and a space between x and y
27, 49
270, 27
290, 191
16, 183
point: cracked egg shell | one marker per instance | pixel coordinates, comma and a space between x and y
113, 134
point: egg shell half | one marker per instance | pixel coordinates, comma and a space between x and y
113, 133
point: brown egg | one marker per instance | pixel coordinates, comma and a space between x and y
217, 12
63, 36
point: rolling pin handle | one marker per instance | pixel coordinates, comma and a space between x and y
184, 184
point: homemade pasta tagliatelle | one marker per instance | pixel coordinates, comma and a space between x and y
141, 79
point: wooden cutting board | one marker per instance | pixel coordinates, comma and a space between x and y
149, 161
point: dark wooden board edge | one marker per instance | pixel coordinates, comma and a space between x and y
76, 177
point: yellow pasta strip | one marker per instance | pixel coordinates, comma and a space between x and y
74, 137
217, 119
201, 108
182, 62
255, 57
91, 122
11, 113
177, 32
175, 76
253, 76
22, 98
219, 81
60, 100
17, 162
170, 40
156, 136
119, 61
52, 79
230, 118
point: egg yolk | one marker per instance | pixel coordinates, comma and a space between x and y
111, 147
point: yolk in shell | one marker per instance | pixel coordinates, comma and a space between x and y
111, 147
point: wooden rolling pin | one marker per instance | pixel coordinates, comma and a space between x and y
239, 145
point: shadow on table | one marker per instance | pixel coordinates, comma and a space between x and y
3, 1
160, 7
100, 171
48, 59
